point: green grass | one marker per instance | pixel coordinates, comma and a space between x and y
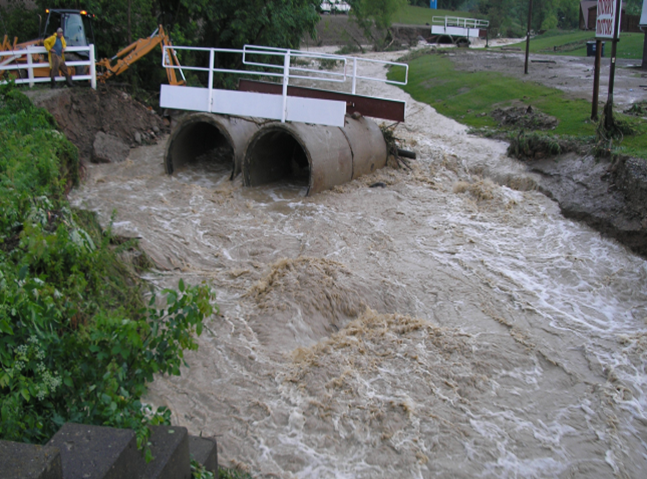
470, 97
421, 15
466, 96
573, 43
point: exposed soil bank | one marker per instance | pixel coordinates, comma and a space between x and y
96, 120
609, 196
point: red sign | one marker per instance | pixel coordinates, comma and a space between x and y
605, 23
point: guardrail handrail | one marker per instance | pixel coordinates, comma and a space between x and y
9, 58
460, 22
346, 59
286, 68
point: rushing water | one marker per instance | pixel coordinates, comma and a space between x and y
451, 324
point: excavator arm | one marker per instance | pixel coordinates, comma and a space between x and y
134, 52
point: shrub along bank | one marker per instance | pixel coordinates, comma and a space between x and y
77, 341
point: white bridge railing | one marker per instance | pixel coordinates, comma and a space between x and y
460, 22
24, 61
355, 61
293, 64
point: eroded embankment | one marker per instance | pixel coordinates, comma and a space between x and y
610, 196
104, 123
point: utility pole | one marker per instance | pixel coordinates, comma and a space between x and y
525, 70
643, 28
596, 79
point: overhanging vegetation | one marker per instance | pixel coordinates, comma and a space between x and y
77, 341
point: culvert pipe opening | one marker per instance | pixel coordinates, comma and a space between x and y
200, 145
209, 143
318, 157
275, 155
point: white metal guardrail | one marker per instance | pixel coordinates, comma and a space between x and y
460, 22
14, 60
355, 61
458, 26
263, 105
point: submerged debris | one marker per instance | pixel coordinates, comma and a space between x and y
394, 157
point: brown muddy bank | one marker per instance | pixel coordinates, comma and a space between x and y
610, 196
106, 117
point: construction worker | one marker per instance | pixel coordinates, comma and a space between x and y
55, 46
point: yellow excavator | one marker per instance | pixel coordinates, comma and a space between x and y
77, 30
133, 52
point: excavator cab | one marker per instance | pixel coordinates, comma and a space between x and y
76, 25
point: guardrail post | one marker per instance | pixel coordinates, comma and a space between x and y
212, 57
286, 79
30, 68
93, 69
354, 74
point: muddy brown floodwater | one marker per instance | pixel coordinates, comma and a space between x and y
450, 324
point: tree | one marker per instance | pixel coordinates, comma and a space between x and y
204, 23
230, 24
374, 17
15, 23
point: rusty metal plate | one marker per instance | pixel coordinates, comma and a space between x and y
365, 105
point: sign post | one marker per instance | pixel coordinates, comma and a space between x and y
525, 68
607, 26
643, 27
596, 80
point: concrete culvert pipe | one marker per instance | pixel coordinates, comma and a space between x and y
318, 157
205, 137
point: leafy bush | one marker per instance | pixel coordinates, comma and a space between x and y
77, 341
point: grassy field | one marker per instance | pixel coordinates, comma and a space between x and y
573, 43
469, 98
421, 15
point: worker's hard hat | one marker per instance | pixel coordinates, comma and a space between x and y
60, 30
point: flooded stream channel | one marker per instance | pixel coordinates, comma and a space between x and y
449, 324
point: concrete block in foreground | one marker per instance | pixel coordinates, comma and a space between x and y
29, 461
98, 452
170, 448
205, 451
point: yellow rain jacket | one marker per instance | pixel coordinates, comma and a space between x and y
49, 43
